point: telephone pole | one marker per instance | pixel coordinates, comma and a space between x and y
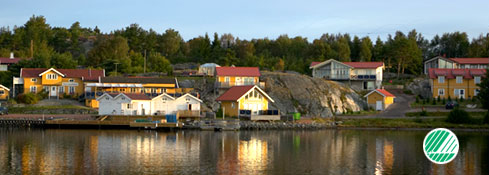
116, 68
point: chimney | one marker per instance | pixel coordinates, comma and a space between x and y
11, 55
90, 72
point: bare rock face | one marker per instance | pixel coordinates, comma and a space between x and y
310, 96
420, 86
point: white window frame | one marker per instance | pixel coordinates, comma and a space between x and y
441, 79
33, 89
71, 89
2, 92
460, 79
51, 77
477, 79
61, 89
71, 80
33, 79
476, 92
227, 79
441, 92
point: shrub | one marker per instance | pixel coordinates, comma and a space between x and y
423, 113
459, 116
438, 99
486, 118
449, 98
417, 99
461, 99
443, 101
219, 113
434, 102
418, 120
408, 92
28, 98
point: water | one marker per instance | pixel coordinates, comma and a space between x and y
54, 151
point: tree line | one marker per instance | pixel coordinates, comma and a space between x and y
137, 50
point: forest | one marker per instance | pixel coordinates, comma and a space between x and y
132, 47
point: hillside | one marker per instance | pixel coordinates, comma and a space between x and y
295, 93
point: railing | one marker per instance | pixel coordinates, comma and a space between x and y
259, 112
93, 95
363, 77
187, 113
231, 84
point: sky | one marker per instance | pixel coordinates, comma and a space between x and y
248, 19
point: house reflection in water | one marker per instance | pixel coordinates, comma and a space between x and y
253, 155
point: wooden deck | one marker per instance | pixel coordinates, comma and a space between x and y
112, 123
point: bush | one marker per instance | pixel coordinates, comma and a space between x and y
449, 98
423, 113
461, 99
28, 98
459, 116
417, 99
408, 92
438, 99
486, 118
443, 102
434, 102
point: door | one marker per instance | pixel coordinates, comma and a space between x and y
462, 93
378, 106
53, 91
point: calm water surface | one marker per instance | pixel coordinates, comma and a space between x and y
54, 151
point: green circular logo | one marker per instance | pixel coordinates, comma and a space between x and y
440, 146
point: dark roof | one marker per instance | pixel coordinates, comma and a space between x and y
142, 80
86, 74
234, 93
4, 60
452, 73
238, 71
137, 96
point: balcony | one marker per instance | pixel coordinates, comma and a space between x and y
260, 114
231, 84
188, 114
363, 77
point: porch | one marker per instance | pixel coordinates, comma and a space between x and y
260, 114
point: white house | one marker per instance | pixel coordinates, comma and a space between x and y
124, 104
140, 104
359, 75
166, 104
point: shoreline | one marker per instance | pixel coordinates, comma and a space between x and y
243, 126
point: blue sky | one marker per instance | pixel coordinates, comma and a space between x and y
249, 19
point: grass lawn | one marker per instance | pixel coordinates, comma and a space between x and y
409, 123
21, 110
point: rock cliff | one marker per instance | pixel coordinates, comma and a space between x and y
294, 93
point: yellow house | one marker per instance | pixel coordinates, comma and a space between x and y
455, 83
379, 99
4, 92
58, 82
246, 101
227, 77
151, 86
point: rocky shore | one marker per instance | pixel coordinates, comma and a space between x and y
249, 125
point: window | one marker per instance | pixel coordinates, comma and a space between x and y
123, 90
153, 90
71, 89
51, 76
2, 92
129, 106
477, 79
62, 89
71, 80
441, 79
106, 98
459, 79
232, 105
226, 79
187, 99
33, 89
164, 99
476, 92
123, 98
45, 88
441, 92
34, 80
133, 90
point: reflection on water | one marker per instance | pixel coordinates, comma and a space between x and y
24, 151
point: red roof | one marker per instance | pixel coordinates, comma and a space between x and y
4, 60
385, 92
364, 65
452, 73
86, 74
357, 65
471, 60
238, 71
314, 63
234, 93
